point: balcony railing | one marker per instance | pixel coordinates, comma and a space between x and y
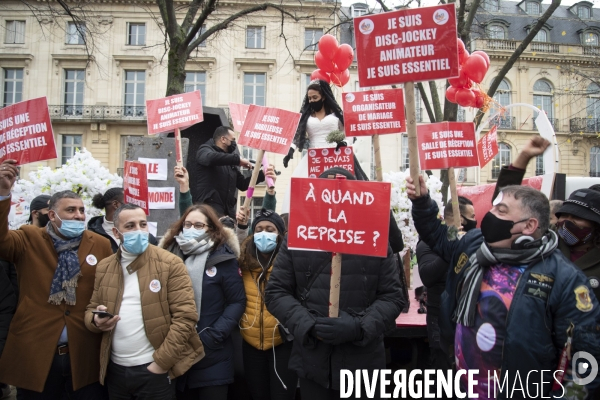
553, 122
77, 112
591, 50
585, 125
500, 44
544, 47
504, 122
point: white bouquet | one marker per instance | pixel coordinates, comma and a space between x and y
82, 174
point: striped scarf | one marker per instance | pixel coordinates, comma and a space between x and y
484, 258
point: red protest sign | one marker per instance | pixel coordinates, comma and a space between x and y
416, 44
487, 148
270, 129
447, 144
339, 215
26, 132
374, 112
238, 115
178, 111
320, 160
135, 184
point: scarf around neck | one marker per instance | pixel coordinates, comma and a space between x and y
68, 271
196, 252
484, 258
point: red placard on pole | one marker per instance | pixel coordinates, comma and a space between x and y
270, 129
178, 111
415, 44
487, 148
26, 132
374, 112
135, 184
238, 115
320, 160
447, 144
338, 215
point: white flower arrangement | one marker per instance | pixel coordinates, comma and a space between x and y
402, 206
82, 174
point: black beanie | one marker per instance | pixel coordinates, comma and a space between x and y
271, 216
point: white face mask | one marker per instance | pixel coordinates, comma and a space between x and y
192, 233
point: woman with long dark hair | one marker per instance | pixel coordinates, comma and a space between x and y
210, 252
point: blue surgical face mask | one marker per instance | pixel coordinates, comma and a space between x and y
192, 233
135, 242
71, 228
265, 241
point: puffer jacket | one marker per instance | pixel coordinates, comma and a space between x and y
536, 326
169, 315
258, 325
95, 225
223, 301
370, 291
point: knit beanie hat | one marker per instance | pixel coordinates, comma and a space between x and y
271, 216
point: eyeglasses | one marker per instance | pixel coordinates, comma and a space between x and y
197, 225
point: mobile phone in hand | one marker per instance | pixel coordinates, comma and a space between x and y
103, 314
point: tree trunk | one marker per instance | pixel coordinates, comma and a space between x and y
176, 69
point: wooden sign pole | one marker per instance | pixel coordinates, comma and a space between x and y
334, 288
377, 154
411, 128
178, 155
253, 180
454, 198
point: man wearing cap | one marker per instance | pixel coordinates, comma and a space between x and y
38, 211
49, 353
578, 225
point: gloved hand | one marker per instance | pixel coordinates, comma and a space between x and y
340, 144
345, 328
287, 158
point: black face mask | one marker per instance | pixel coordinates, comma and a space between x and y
470, 224
232, 146
316, 105
495, 229
43, 220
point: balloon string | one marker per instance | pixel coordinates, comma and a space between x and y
489, 102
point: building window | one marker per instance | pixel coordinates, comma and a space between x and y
196, 81
13, 86
201, 31
254, 88
461, 114
589, 39
541, 36
502, 97
461, 177
136, 34
418, 109
584, 12
532, 8
73, 97
70, 143
311, 38
404, 161
248, 153
135, 89
542, 97
15, 32
358, 10
502, 158
256, 204
491, 5
75, 33
305, 83
495, 31
595, 161
539, 165
593, 102
255, 37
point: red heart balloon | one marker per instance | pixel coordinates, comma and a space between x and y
479, 98
461, 46
484, 55
461, 82
328, 45
324, 64
343, 57
320, 74
340, 78
475, 68
451, 94
462, 57
465, 97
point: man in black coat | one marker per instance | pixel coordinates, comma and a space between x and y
370, 301
219, 176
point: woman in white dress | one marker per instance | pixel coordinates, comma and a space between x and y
320, 115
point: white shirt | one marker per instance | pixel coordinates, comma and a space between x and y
130, 345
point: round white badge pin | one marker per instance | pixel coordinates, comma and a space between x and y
212, 271
91, 259
155, 285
